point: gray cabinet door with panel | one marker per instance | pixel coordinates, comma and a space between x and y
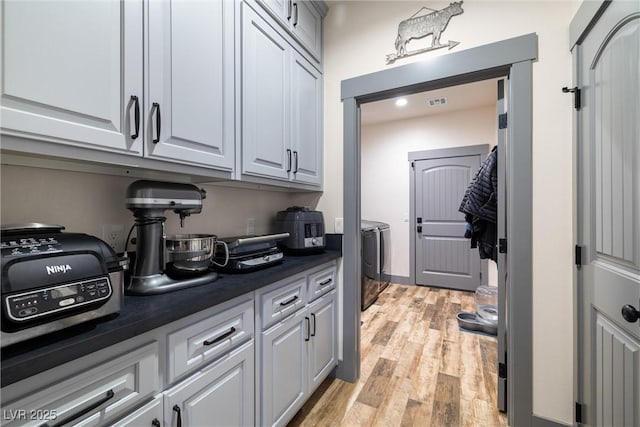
72, 74
266, 59
190, 63
323, 348
221, 394
284, 369
306, 123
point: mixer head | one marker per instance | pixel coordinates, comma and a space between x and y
149, 199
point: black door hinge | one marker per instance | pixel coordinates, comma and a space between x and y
578, 259
579, 418
577, 100
502, 370
502, 121
502, 246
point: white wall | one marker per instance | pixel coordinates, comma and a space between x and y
83, 202
385, 168
357, 37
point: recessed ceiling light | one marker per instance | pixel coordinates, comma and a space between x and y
401, 102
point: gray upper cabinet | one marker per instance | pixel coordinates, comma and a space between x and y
190, 93
302, 20
306, 124
266, 69
71, 75
281, 106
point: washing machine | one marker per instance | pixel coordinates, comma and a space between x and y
376, 260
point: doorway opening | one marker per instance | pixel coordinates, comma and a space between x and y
509, 58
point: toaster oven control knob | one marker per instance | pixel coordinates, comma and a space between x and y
314, 241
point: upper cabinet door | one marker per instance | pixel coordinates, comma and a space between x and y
281, 9
266, 68
306, 138
70, 70
306, 25
190, 103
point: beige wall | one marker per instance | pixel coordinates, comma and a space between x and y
386, 170
83, 202
357, 37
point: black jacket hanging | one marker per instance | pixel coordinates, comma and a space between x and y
480, 206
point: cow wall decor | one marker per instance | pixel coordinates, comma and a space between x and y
420, 26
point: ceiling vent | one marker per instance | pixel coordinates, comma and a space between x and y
436, 102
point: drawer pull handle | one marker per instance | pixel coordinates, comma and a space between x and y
295, 157
110, 394
176, 409
326, 282
308, 328
155, 423
285, 303
221, 337
313, 334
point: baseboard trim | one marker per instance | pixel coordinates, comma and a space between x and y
401, 280
545, 422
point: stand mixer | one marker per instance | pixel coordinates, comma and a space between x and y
148, 200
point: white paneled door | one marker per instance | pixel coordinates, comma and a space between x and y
609, 217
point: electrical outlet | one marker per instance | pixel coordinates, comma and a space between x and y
338, 226
113, 235
251, 226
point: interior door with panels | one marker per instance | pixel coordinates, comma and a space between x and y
72, 73
443, 256
190, 101
608, 70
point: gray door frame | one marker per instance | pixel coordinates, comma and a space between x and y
472, 150
514, 58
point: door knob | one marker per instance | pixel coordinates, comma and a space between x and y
630, 314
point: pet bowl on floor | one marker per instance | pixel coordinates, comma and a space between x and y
473, 322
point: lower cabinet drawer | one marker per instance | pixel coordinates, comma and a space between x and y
150, 415
204, 341
284, 300
93, 398
322, 281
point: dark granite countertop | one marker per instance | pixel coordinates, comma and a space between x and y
141, 314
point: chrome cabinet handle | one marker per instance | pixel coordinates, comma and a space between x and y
295, 15
313, 334
295, 157
221, 337
289, 11
306, 319
289, 160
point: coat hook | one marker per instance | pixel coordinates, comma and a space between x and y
576, 95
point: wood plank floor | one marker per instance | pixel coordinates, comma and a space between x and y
417, 369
